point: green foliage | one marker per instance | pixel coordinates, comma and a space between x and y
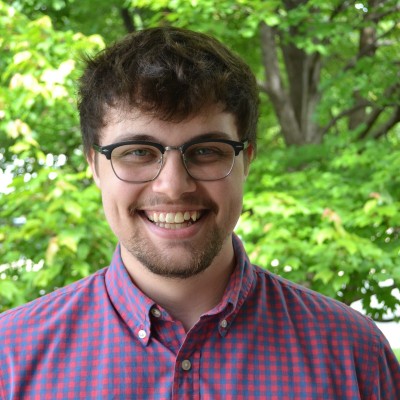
100, 18
234, 22
328, 217
65, 236
329, 29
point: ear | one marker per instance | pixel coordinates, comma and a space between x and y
248, 158
92, 160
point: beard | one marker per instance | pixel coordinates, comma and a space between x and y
170, 263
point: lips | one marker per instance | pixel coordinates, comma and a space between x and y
173, 220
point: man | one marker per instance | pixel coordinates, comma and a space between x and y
168, 120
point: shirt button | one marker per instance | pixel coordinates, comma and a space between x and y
224, 323
186, 365
156, 312
142, 334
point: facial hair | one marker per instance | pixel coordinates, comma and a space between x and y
165, 263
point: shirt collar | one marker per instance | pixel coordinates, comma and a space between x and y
134, 306
240, 285
129, 301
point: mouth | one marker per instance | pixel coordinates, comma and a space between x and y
173, 220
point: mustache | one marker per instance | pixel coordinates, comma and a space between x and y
187, 200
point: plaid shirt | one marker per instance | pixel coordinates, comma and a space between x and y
102, 338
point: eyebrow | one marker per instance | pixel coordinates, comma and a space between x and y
134, 136
149, 138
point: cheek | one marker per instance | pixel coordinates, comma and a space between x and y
230, 198
236, 193
115, 193
116, 204
111, 209
237, 200
117, 199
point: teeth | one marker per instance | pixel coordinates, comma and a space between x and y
194, 215
171, 226
172, 220
179, 218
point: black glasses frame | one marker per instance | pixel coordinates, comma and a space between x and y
108, 149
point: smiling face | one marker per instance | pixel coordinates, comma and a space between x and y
174, 226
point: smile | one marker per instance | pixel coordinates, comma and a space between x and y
173, 220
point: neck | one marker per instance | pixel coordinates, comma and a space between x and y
185, 299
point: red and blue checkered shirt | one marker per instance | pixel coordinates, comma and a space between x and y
102, 338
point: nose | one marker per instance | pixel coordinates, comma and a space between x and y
173, 179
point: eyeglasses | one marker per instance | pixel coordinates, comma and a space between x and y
139, 161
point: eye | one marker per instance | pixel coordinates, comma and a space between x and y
205, 151
136, 154
208, 152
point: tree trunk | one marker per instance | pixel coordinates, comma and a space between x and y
295, 104
367, 48
274, 87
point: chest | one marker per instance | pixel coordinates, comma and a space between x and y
216, 360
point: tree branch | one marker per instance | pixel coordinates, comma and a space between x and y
379, 16
343, 114
262, 86
368, 48
337, 10
127, 20
389, 124
377, 112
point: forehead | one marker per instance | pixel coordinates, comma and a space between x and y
122, 125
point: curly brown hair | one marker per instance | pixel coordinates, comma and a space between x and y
169, 73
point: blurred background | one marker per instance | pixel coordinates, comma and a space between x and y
322, 204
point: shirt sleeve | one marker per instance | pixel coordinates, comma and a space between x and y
387, 377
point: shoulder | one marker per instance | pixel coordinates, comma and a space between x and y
55, 305
314, 311
326, 335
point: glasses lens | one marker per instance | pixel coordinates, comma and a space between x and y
136, 162
209, 160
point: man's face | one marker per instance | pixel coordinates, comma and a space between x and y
147, 217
